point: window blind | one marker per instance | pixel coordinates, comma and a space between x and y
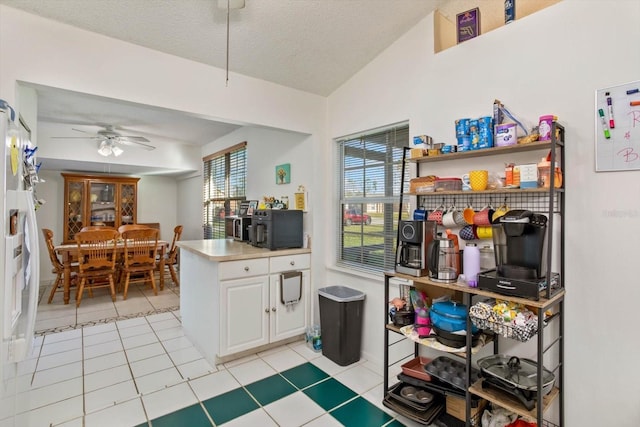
225, 179
370, 176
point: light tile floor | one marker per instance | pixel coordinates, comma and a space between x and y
100, 309
128, 363
143, 371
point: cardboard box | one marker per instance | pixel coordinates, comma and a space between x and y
456, 407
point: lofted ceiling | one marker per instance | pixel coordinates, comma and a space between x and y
310, 45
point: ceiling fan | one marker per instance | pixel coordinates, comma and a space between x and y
110, 139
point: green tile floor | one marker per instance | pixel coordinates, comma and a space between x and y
342, 403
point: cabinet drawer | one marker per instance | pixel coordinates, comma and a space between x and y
243, 268
290, 262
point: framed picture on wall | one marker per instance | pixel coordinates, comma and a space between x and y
468, 24
283, 174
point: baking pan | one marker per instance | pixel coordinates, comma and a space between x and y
415, 368
451, 371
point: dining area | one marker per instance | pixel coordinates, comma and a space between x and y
109, 274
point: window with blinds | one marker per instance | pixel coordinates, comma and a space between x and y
225, 184
370, 168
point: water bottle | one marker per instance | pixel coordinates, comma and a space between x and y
471, 258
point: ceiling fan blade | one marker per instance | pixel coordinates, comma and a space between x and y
135, 142
135, 138
83, 131
77, 137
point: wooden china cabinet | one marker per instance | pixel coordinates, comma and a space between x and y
97, 200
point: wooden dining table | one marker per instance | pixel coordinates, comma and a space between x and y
69, 253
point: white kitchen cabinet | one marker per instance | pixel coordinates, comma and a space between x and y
230, 301
244, 324
287, 321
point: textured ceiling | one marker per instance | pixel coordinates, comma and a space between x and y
311, 45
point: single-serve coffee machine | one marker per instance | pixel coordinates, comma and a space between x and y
411, 254
519, 240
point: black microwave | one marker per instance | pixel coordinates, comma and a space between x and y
237, 227
277, 228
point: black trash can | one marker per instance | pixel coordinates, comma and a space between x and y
341, 322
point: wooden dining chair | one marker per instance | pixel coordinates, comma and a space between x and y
58, 268
127, 227
140, 249
96, 227
171, 257
96, 261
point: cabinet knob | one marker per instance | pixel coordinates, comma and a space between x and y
292, 263
266, 310
273, 309
246, 269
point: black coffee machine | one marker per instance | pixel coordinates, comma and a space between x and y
411, 254
519, 240
519, 245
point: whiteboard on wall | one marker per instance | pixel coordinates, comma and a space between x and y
617, 115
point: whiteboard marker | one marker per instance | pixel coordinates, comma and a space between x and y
632, 91
634, 103
604, 124
612, 124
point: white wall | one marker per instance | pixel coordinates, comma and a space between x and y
158, 202
43, 52
190, 213
551, 62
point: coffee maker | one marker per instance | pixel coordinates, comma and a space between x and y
519, 240
443, 260
411, 254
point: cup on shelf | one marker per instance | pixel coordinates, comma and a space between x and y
453, 218
484, 232
477, 179
436, 215
468, 232
484, 216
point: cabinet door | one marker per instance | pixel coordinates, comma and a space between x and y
102, 203
287, 321
127, 200
74, 211
244, 314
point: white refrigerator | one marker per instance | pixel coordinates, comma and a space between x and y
19, 257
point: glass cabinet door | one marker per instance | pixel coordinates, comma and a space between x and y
127, 204
102, 208
74, 209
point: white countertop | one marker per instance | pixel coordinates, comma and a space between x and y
230, 250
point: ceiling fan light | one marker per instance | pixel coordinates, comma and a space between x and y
104, 149
116, 150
